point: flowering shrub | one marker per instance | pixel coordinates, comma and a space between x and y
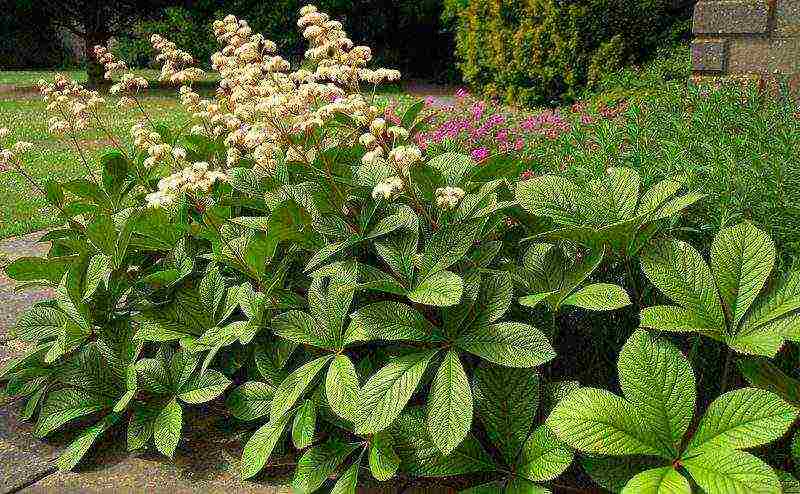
295, 253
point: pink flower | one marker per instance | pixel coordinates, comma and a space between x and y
586, 119
480, 154
430, 101
519, 145
502, 135
462, 93
527, 175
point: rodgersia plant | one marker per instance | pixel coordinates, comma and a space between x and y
351, 299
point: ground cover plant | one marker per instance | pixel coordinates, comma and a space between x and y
375, 311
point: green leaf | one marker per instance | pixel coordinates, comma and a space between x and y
295, 385
796, 451
533, 300
152, 376
544, 457
259, 447
140, 427
300, 327
728, 471
451, 166
657, 379
447, 246
78, 448
600, 297
783, 300
348, 481
39, 268
342, 387
251, 400
386, 393
506, 402
167, 428
765, 375
204, 387
318, 463
493, 299
212, 291
98, 270
743, 418
441, 289
664, 480
742, 258
67, 404
677, 269
613, 472
383, 461
449, 405
622, 188
677, 319
511, 344
597, 421
39, 323
551, 196
388, 321
305, 422
789, 484
410, 115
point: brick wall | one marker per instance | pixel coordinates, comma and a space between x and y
746, 36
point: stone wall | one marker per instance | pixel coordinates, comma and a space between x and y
746, 37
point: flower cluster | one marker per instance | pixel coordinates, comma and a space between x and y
8, 156
176, 67
129, 83
448, 197
195, 180
71, 104
388, 189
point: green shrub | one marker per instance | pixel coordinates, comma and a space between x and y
294, 254
537, 51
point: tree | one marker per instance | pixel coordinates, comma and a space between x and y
97, 21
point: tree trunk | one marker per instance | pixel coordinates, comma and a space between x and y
94, 70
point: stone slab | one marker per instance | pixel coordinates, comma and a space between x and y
764, 55
787, 18
24, 459
731, 17
708, 56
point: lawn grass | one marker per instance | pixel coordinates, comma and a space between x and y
23, 211
26, 79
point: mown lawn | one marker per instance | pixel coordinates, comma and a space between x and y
23, 211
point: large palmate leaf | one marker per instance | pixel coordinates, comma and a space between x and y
506, 401
67, 404
318, 463
386, 393
597, 421
728, 471
677, 269
421, 458
765, 375
39, 323
511, 344
600, 297
167, 428
304, 425
440, 289
251, 400
664, 480
80, 446
543, 457
348, 481
657, 379
301, 327
778, 312
259, 447
294, 386
383, 461
447, 246
204, 387
743, 418
742, 258
388, 321
614, 472
342, 387
449, 404
552, 196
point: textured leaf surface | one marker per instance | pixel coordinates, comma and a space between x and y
551, 196
449, 404
676, 319
260, 445
677, 269
251, 400
441, 289
447, 246
80, 446
300, 327
305, 422
342, 387
383, 461
204, 387
599, 296
728, 471
742, 258
665, 480
765, 375
597, 421
167, 428
388, 321
67, 404
295, 385
506, 401
613, 472
511, 344
347, 482
386, 393
318, 463
743, 418
39, 323
544, 457
658, 381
